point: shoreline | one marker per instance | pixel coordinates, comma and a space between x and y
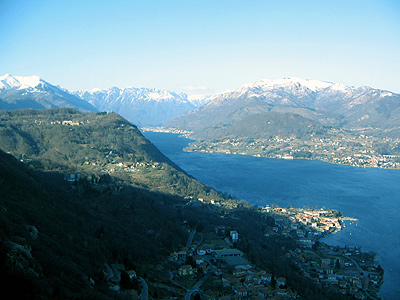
187, 149
378, 161
280, 230
368, 277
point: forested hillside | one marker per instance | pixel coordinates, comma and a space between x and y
95, 144
55, 240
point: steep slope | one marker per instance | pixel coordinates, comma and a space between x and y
55, 241
33, 92
141, 106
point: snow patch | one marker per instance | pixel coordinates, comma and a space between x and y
385, 94
340, 87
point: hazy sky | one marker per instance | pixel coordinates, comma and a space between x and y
201, 45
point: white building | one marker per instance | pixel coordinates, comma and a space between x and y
234, 236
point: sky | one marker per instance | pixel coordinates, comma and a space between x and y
200, 46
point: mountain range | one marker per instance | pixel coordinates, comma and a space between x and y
324, 104
241, 112
141, 106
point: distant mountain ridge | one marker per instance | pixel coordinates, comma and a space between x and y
142, 106
363, 109
17, 92
329, 104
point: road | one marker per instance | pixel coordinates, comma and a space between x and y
366, 274
190, 239
171, 278
145, 290
196, 287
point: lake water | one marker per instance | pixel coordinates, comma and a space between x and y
368, 194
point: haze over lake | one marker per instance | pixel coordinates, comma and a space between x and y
368, 194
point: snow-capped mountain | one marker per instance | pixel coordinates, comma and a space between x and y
20, 82
299, 92
18, 92
142, 106
327, 103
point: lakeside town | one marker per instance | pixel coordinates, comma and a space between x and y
212, 266
345, 149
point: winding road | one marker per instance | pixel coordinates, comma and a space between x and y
145, 291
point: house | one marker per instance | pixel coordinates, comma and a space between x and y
234, 236
239, 273
280, 282
306, 242
300, 233
72, 177
198, 259
132, 274
266, 277
227, 280
325, 262
261, 291
357, 282
218, 272
253, 280
220, 230
185, 270
203, 267
332, 279
182, 255
227, 253
242, 292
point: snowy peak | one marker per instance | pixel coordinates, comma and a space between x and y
288, 83
135, 94
19, 82
142, 106
20, 92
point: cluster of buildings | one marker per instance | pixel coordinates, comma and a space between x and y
229, 274
212, 265
344, 270
307, 222
360, 151
304, 225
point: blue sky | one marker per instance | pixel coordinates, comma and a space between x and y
200, 46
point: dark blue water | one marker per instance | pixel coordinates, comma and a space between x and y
368, 194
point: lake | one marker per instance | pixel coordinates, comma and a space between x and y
368, 194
